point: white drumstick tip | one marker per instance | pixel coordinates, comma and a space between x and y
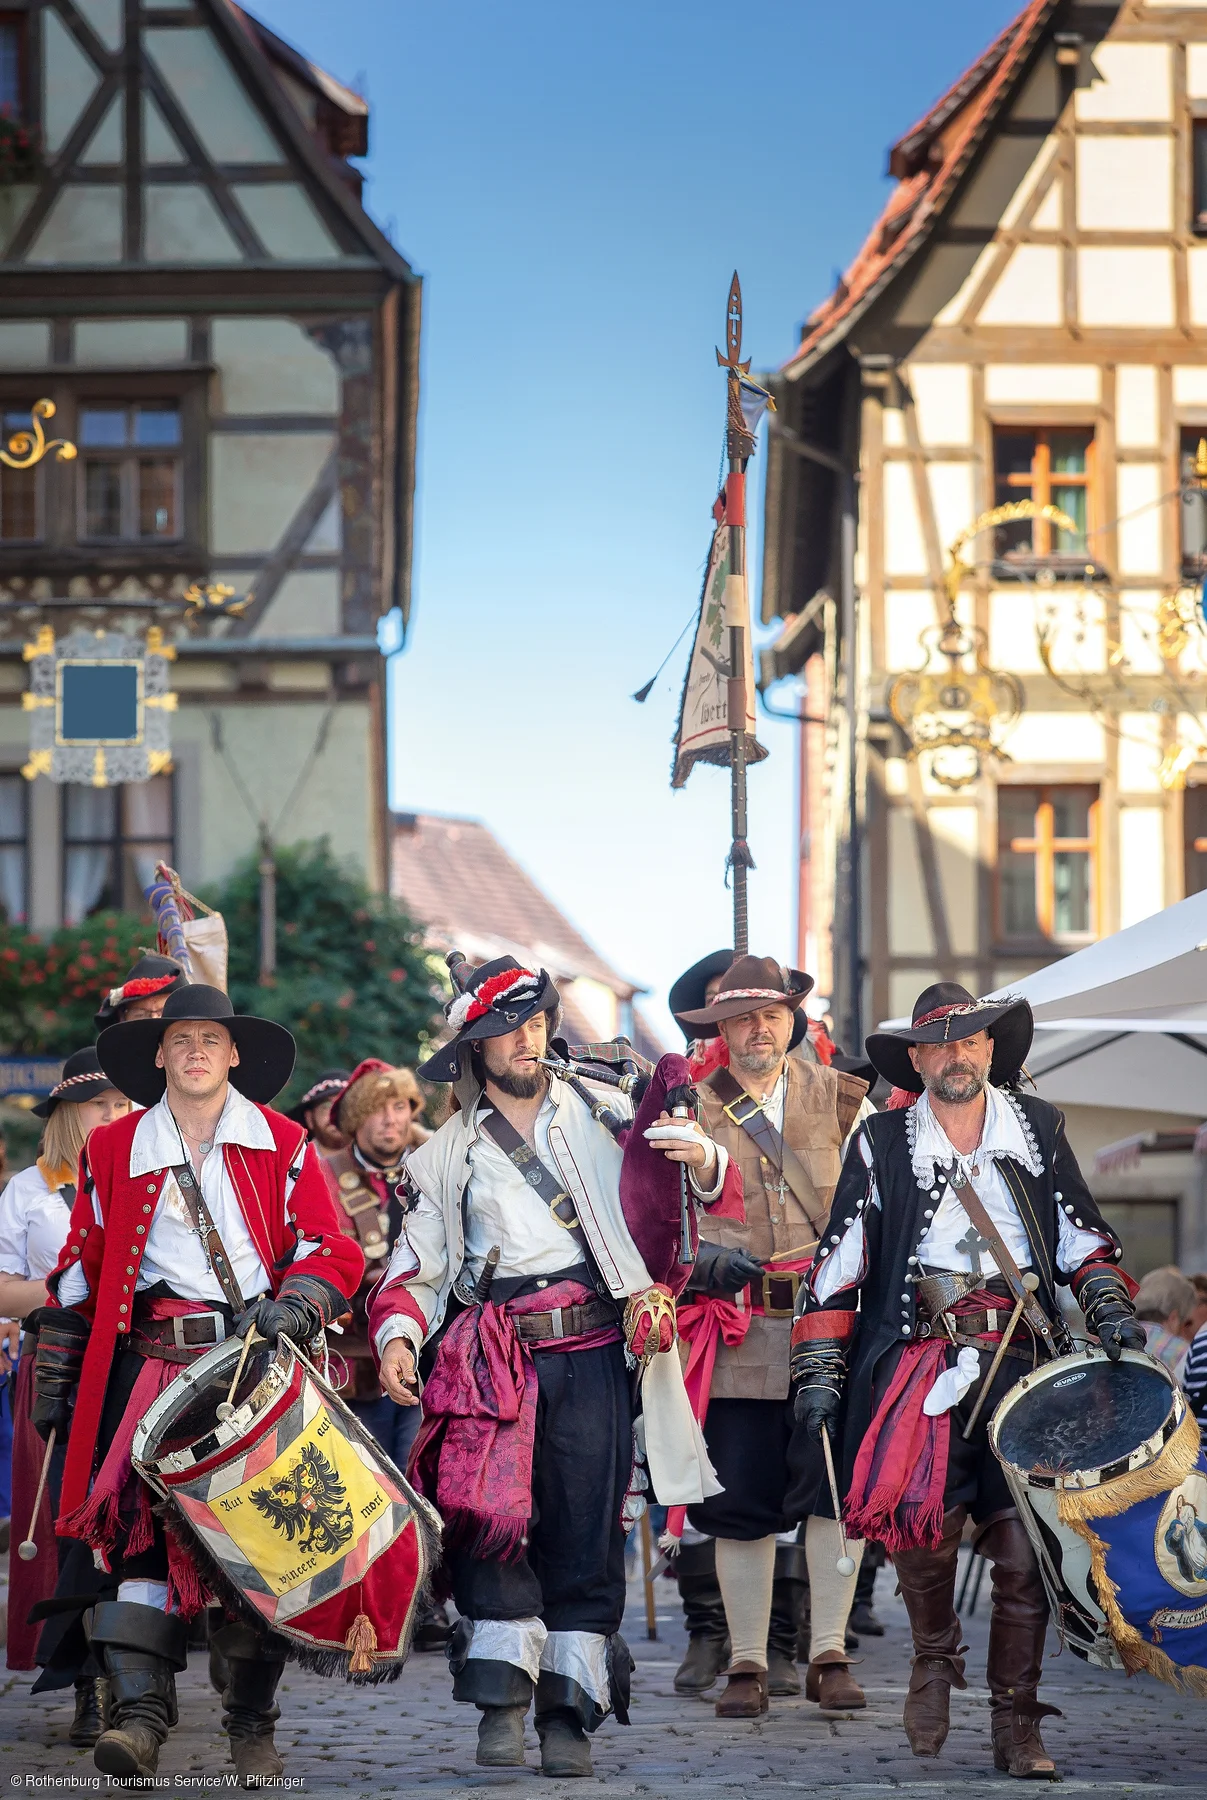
27, 1550
845, 1565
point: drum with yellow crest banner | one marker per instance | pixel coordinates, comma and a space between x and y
293, 1511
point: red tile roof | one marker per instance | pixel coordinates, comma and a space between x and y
928, 162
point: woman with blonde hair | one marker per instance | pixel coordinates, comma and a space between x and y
35, 1210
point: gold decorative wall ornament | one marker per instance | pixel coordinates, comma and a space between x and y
26, 448
213, 601
956, 718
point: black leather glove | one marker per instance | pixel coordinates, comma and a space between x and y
304, 1305
62, 1339
1103, 1297
720, 1270
819, 1369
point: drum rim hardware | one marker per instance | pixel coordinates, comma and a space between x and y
1078, 1480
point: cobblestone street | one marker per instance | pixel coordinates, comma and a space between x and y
1118, 1736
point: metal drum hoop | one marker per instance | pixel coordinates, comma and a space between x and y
215, 1363
1074, 1479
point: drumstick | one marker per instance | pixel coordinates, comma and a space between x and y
27, 1549
799, 1251
846, 1562
1030, 1284
225, 1408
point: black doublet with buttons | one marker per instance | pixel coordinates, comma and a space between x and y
896, 1210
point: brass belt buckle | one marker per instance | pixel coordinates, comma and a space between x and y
792, 1277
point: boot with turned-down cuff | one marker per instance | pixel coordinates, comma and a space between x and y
927, 1579
142, 1650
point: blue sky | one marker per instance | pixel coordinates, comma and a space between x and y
576, 185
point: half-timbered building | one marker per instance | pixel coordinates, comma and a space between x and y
1026, 323
188, 273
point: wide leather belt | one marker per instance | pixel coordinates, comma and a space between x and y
565, 1321
181, 1338
776, 1296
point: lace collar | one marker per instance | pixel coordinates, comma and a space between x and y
1007, 1133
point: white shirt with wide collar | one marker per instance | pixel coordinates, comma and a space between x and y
940, 1246
174, 1252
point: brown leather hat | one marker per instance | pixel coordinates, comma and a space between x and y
748, 983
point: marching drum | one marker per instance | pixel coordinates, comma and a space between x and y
1090, 1450
293, 1509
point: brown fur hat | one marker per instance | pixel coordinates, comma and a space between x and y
371, 1085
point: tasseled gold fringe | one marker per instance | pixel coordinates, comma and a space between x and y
1178, 1459
362, 1642
1137, 1653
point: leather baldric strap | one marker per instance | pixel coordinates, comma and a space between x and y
545, 1185
207, 1231
743, 1110
971, 1202
363, 1209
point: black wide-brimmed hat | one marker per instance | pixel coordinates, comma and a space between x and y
689, 993
150, 975
266, 1049
748, 983
945, 1013
498, 997
324, 1087
82, 1079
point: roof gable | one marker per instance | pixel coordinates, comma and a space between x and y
233, 152
929, 162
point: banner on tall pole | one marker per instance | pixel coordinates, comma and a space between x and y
704, 733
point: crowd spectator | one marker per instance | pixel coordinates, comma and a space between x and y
1194, 1374
1165, 1304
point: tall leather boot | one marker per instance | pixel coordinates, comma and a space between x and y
140, 1649
250, 1711
1017, 1626
789, 1586
928, 1586
704, 1615
91, 1706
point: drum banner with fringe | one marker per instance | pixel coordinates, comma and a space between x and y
297, 1515
1146, 1530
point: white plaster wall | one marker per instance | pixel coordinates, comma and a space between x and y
1137, 422
105, 18
68, 81
270, 743
1125, 183
1029, 290
99, 342
1041, 737
1010, 163
286, 222
1190, 386
909, 932
904, 549
954, 830
906, 615
108, 142
83, 226
1132, 81
271, 366
1015, 207
183, 225
257, 483
939, 292
1196, 267
24, 344
1125, 285
305, 605
894, 427
904, 986
209, 92
1012, 640
159, 144
1049, 214
1139, 519
951, 499
1060, 384
943, 402
1196, 71
1137, 632
1141, 863
1140, 752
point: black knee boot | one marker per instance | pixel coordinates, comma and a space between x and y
140, 1649
788, 1589
250, 1711
91, 1705
704, 1615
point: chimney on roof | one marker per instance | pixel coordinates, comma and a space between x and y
406, 824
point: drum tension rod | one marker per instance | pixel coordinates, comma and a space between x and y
1030, 1285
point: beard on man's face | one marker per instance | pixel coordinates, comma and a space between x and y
957, 1083
759, 1060
521, 1083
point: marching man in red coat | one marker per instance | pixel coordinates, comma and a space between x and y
204, 1215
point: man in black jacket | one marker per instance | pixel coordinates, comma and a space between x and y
946, 1200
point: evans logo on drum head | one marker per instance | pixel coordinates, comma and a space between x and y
1068, 1380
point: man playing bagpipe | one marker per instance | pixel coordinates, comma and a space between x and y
527, 1445
959, 1212
204, 1214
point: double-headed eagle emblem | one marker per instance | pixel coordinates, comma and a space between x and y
308, 1502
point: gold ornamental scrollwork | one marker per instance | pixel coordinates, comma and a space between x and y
955, 718
27, 447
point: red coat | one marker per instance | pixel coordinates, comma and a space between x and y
108, 1250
